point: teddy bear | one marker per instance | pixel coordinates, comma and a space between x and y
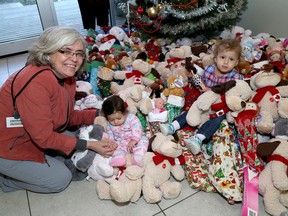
273, 181
97, 166
175, 96
105, 77
159, 165
126, 187
281, 125
138, 75
175, 84
83, 88
175, 59
221, 99
115, 39
136, 98
110, 62
267, 95
275, 53
91, 101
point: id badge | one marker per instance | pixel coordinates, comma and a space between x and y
11, 122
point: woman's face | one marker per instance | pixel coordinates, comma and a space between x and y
67, 60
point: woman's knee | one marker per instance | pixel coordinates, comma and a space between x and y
60, 182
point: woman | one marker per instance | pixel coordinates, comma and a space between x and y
41, 95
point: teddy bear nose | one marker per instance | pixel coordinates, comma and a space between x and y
243, 104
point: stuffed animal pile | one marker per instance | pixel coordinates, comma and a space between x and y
154, 78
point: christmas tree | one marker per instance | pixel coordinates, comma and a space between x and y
182, 18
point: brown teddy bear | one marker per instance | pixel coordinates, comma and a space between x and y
175, 84
175, 96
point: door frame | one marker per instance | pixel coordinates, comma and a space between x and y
48, 18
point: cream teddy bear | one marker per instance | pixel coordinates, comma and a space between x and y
141, 69
222, 99
126, 187
281, 125
136, 98
166, 159
273, 181
267, 95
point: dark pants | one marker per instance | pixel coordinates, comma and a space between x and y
207, 129
91, 9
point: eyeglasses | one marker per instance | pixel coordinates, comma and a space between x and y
68, 53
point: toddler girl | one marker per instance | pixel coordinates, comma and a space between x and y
126, 130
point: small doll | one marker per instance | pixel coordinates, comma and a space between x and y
157, 116
159, 105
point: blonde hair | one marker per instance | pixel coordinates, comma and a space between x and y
228, 44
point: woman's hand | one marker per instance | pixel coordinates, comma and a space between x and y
104, 148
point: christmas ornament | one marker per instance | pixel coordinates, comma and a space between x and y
152, 12
159, 7
140, 10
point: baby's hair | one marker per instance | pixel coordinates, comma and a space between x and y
229, 45
113, 104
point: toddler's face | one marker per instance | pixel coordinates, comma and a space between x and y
226, 61
117, 118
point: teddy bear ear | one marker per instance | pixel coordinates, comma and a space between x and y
221, 89
266, 149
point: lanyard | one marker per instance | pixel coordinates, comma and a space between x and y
15, 112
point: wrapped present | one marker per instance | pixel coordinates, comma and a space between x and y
226, 167
196, 166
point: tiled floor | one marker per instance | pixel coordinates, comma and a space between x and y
80, 198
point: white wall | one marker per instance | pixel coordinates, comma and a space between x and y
266, 16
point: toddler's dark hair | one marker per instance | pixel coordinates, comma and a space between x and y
113, 104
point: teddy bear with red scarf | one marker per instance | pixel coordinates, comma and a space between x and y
267, 95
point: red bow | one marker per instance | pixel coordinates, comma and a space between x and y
107, 38
172, 61
262, 91
120, 172
280, 158
135, 73
220, 107
159, 158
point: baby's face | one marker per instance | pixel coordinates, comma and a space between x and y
159, 103
117, 118
226, 61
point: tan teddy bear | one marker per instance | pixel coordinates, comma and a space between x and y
136, 98
166, 159
273, 181
222, 99
175, 86
126, 187
141, 69
267, 95
175, 96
